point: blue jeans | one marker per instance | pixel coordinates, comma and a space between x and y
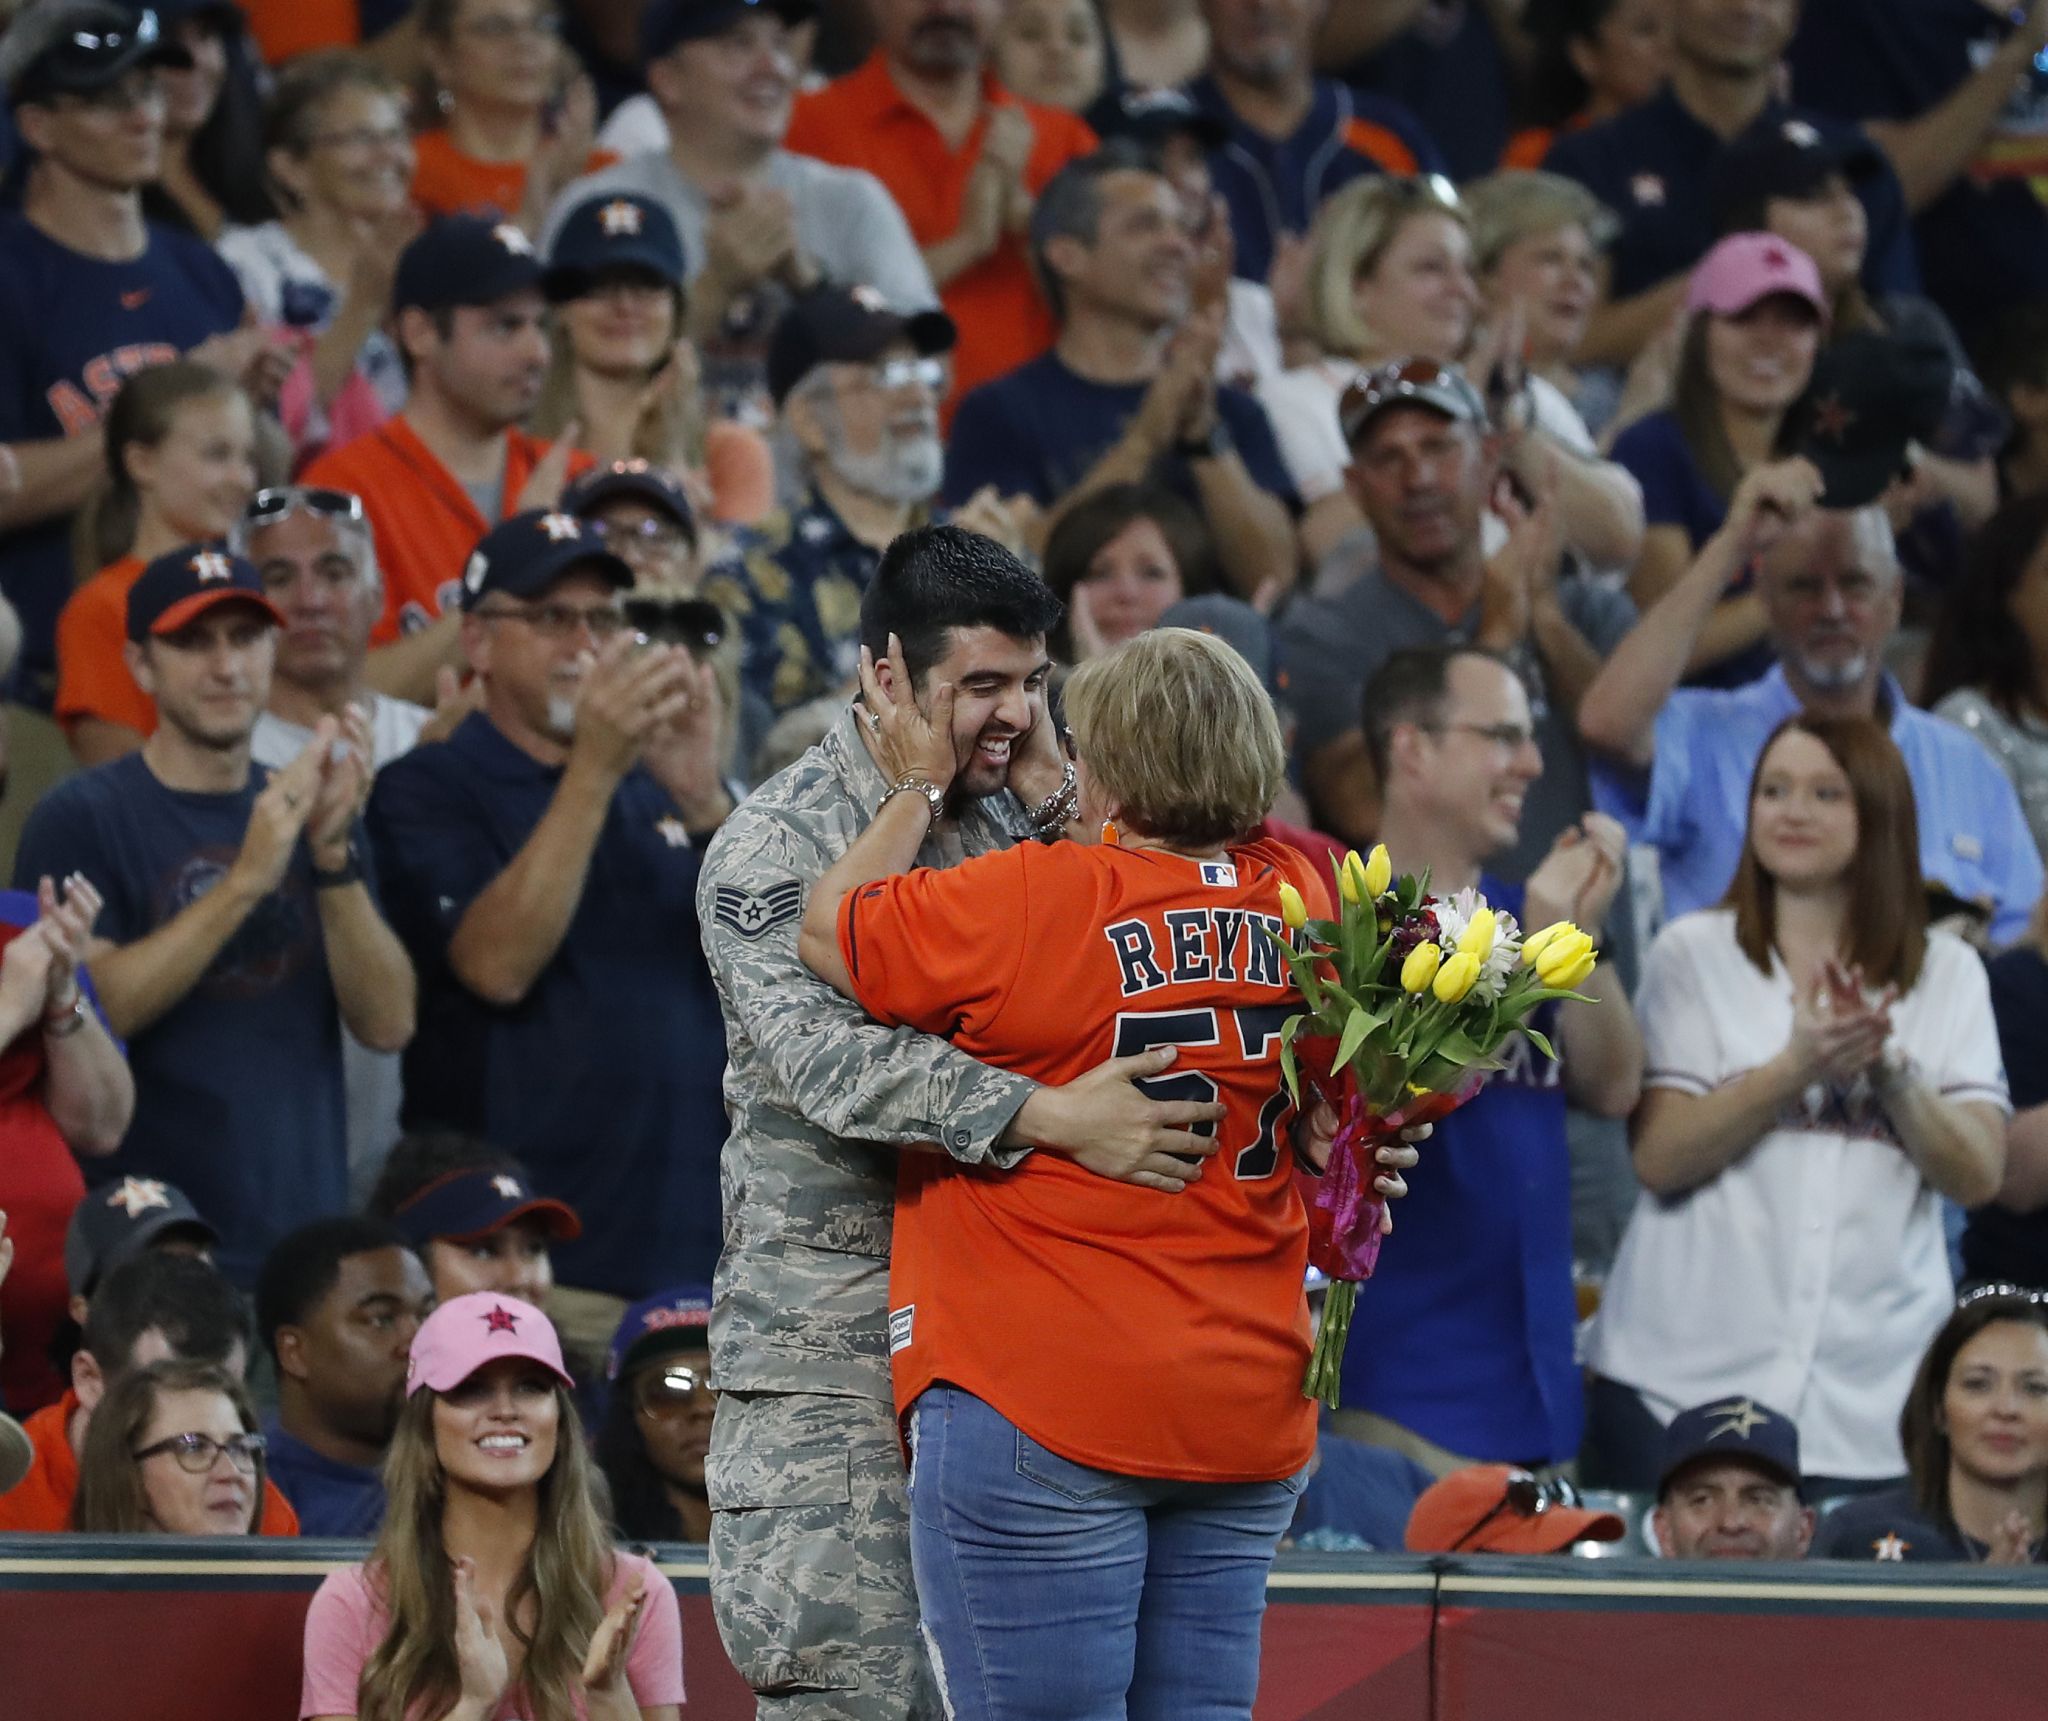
1053, 1592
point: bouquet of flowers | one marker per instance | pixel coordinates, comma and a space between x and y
1409, 997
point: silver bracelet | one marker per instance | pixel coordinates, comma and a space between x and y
934, 796
1057, 809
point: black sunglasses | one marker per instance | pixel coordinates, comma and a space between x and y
95, 50
678, 621
268, 506
1526, 1497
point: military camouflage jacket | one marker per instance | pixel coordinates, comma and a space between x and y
820, 1096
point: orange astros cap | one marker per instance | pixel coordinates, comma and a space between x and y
1499, 1509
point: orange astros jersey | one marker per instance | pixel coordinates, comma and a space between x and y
1129, 1330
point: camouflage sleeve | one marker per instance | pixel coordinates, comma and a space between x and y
839, 1070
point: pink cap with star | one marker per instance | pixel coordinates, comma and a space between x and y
466, 1332
1746, 268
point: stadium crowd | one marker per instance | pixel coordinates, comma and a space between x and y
476, 476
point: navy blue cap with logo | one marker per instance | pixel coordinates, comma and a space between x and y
117, 1221
631, 481
667, 24
477, 1201
464, 260
613, 234
847, 325
525, 555
1737, 1430
75, 47
182, 585
677, 1319
1785, 157
1151, 117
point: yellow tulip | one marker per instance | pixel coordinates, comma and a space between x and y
1454, 979
1578, 973
1351, 878
1532, 946
1563, 955
1379, 872
1476, 941
1292, 909
1420, 968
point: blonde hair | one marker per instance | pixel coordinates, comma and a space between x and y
1352, 232
671, 437
567, 1573
1520, 203
1179, 736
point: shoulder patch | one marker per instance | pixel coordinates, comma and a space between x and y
750, 913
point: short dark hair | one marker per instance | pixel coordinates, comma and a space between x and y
1975, 643
180, 1296
303, 1267
1102, 515
1411, 687
934, 579
425, 1156
1070, 207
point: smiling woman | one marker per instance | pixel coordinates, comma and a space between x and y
492, 1591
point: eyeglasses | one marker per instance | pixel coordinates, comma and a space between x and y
675, 1391
501, 29
891, 374
359, 138
267, 507
195, 1453
2002, 1291
628, 536
1508, 737
1432, 188
559, 622
1526, 1497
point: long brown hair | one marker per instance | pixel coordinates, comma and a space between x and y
1885, 928
1696, 404
143, 412
1923, 1429
566, 1575
111, 1499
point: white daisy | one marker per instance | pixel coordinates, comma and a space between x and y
1454, 914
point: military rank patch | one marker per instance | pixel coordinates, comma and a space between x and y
751, 913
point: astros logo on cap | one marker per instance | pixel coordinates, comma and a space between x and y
868, 298
211, 565
512, 239
561, 528
619, 217
135, 1194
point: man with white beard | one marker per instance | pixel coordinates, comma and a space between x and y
543, 879
858, 386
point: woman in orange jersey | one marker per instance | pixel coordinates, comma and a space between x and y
1101, 1383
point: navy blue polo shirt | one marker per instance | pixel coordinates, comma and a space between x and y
605, 1079
1447, 70
330, 1498
1984, 241
1464, 1332
1273, 188
1039, 430
1653, 166
2013, 1247
238, 1086
73, 328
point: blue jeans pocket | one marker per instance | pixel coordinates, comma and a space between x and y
1071, 1481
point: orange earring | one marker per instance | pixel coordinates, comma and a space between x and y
1109, 834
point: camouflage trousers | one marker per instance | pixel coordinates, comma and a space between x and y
810, 1558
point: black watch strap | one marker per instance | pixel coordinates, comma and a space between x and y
349, 872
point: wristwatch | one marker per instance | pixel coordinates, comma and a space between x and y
934, 796
349, 872
1210, 447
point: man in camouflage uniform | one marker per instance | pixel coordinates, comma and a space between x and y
810, 1548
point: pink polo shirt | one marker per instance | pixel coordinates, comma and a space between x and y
347, 1621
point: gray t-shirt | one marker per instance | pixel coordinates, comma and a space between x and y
845, 221
1330, 648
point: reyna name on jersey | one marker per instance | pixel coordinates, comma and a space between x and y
1197, 944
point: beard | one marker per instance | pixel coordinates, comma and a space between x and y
903, 469
1833, 677
561, 719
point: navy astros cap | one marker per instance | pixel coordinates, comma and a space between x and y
1153, 116
476, 1202
1873, 393
528, 553
1731, 1428
180, 587
847, 325
667, 24
678, 1319
113, 1224
631, 480
1783, 157
60, 47
607, 233
464, 260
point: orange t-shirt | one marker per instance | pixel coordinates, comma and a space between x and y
283, 28
447, 182
424, 521
1528, 147
1135, 1332
863, 120
41, 1500
92, 673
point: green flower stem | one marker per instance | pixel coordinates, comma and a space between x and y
1326, 1361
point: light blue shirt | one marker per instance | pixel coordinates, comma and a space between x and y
1973, 837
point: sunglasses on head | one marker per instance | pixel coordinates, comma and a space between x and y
678, 621
269, 506
2000, 1290
95, 50
1526, 1497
